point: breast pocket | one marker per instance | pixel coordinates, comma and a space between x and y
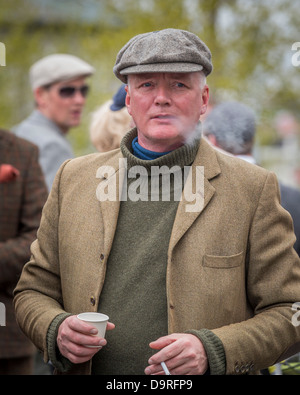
223, 262
225, 289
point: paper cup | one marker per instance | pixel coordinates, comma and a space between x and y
98, 320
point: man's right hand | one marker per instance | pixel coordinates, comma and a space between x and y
74, 338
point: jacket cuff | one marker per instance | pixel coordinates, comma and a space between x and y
214, 350
61, 363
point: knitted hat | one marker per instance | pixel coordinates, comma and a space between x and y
119, 99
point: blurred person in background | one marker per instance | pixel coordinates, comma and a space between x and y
59, 87
110, 122
231, 127
22, 196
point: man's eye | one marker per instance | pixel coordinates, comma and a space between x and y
147, 84
180, 84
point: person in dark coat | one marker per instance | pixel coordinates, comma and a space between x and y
23, 193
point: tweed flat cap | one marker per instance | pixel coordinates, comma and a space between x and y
168, 50
58, 67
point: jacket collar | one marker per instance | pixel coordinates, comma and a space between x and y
207, 157
6, 141
39, 118
204, 169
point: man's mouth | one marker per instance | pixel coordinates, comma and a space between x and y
76, 113
163, 117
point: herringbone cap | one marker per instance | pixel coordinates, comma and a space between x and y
166, 51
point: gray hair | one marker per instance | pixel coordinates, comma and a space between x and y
234, 125
202, 79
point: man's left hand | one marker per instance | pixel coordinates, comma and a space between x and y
182, 353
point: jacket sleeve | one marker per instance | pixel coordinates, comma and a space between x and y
273, 286
38, 295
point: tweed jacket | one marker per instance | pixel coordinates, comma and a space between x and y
21, 203
231, 266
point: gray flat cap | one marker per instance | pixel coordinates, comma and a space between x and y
58, 67
166, 51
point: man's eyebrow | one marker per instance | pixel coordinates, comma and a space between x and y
143, 76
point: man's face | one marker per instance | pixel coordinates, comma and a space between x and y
61, 104
165, 107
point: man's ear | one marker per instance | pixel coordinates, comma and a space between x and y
40, 96
127, 99
205, 99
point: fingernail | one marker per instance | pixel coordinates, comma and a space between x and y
147, 371
102, 342
94, 331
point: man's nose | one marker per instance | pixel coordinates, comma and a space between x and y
78, 97
162, 96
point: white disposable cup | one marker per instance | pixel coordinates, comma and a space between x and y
98, 320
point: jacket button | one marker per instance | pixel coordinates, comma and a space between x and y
93, 301
102, 257
171, 306
237, 367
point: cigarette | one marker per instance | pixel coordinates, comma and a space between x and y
166, 370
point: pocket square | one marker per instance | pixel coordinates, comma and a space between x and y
8, 173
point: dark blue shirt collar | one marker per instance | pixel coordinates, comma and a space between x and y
143, 153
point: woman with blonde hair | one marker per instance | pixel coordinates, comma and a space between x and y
110, 122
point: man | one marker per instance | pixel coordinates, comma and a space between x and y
231, 126
210, 292
59, 86
22, 195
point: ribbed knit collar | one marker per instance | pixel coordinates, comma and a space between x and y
182, 156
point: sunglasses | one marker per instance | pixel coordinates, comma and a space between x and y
70, 91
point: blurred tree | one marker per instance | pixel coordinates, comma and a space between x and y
250, 42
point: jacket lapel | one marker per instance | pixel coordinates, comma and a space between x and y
198, 188
4, 148
110, 176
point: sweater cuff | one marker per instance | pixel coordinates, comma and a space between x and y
61, 363
214, 350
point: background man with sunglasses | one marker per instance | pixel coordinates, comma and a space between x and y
59, 86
